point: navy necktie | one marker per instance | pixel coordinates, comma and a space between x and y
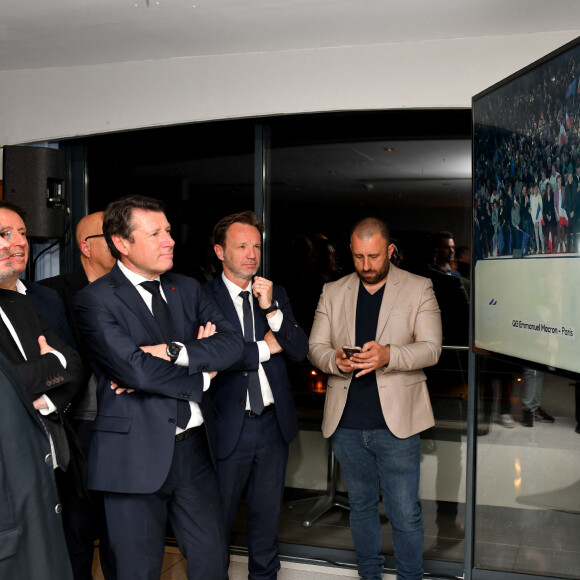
160, 310
162, 315
254, 390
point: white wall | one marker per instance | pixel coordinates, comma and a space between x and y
46, 104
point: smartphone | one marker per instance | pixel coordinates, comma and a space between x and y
350, 350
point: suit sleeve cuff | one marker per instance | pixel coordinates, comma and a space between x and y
51, 407
275, 322
263, 351
183, 356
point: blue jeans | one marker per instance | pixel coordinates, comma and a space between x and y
532, 386
369, 459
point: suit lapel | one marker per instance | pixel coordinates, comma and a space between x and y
225, 302
129, 295
392, 288
19, 315
349, 314
8, 346
16, 383
259, 320
173, 297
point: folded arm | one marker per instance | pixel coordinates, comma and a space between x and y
118, 354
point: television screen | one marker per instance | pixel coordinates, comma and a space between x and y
526, 211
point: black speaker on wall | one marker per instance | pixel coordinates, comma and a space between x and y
34, 179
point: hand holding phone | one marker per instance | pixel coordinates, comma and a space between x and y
349, 351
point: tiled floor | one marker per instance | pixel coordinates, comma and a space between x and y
174, 568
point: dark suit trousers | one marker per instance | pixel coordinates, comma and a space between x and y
257, 465
84, 521
189, 498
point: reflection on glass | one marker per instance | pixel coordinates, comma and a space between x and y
528, 479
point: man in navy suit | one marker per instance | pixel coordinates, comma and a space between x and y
153, 333
256, 418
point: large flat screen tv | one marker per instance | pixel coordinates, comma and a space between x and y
526, 211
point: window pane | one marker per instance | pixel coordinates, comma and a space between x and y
202, 172
528, 475
412, 169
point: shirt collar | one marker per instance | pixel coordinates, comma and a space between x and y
20, 287
133, 277
234, 289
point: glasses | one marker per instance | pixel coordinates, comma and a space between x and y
95, 236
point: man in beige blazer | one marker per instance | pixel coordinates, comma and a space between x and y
377, 401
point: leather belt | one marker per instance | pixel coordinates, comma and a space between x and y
267, 409
187, 433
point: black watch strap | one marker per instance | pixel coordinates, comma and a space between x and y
271, 308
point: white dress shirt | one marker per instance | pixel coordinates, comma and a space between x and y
51, 406
196, 418
275, 322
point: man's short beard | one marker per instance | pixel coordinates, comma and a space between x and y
247, 275
380, 276
7, 274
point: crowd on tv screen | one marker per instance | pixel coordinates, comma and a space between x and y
527, 163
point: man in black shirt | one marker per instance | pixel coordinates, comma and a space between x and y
377, 401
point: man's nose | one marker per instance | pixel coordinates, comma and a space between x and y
168, 240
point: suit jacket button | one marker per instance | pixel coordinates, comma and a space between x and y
242, 401
245, 374
172, 420
288, 338
48, 458
57, 508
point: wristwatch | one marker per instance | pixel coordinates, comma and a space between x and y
271, 308
173, 350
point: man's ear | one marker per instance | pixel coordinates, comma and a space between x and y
390, 250
219, 252
121, 244
85, 249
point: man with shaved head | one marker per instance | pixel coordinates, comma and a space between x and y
377, 401
96, 261
96, 257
